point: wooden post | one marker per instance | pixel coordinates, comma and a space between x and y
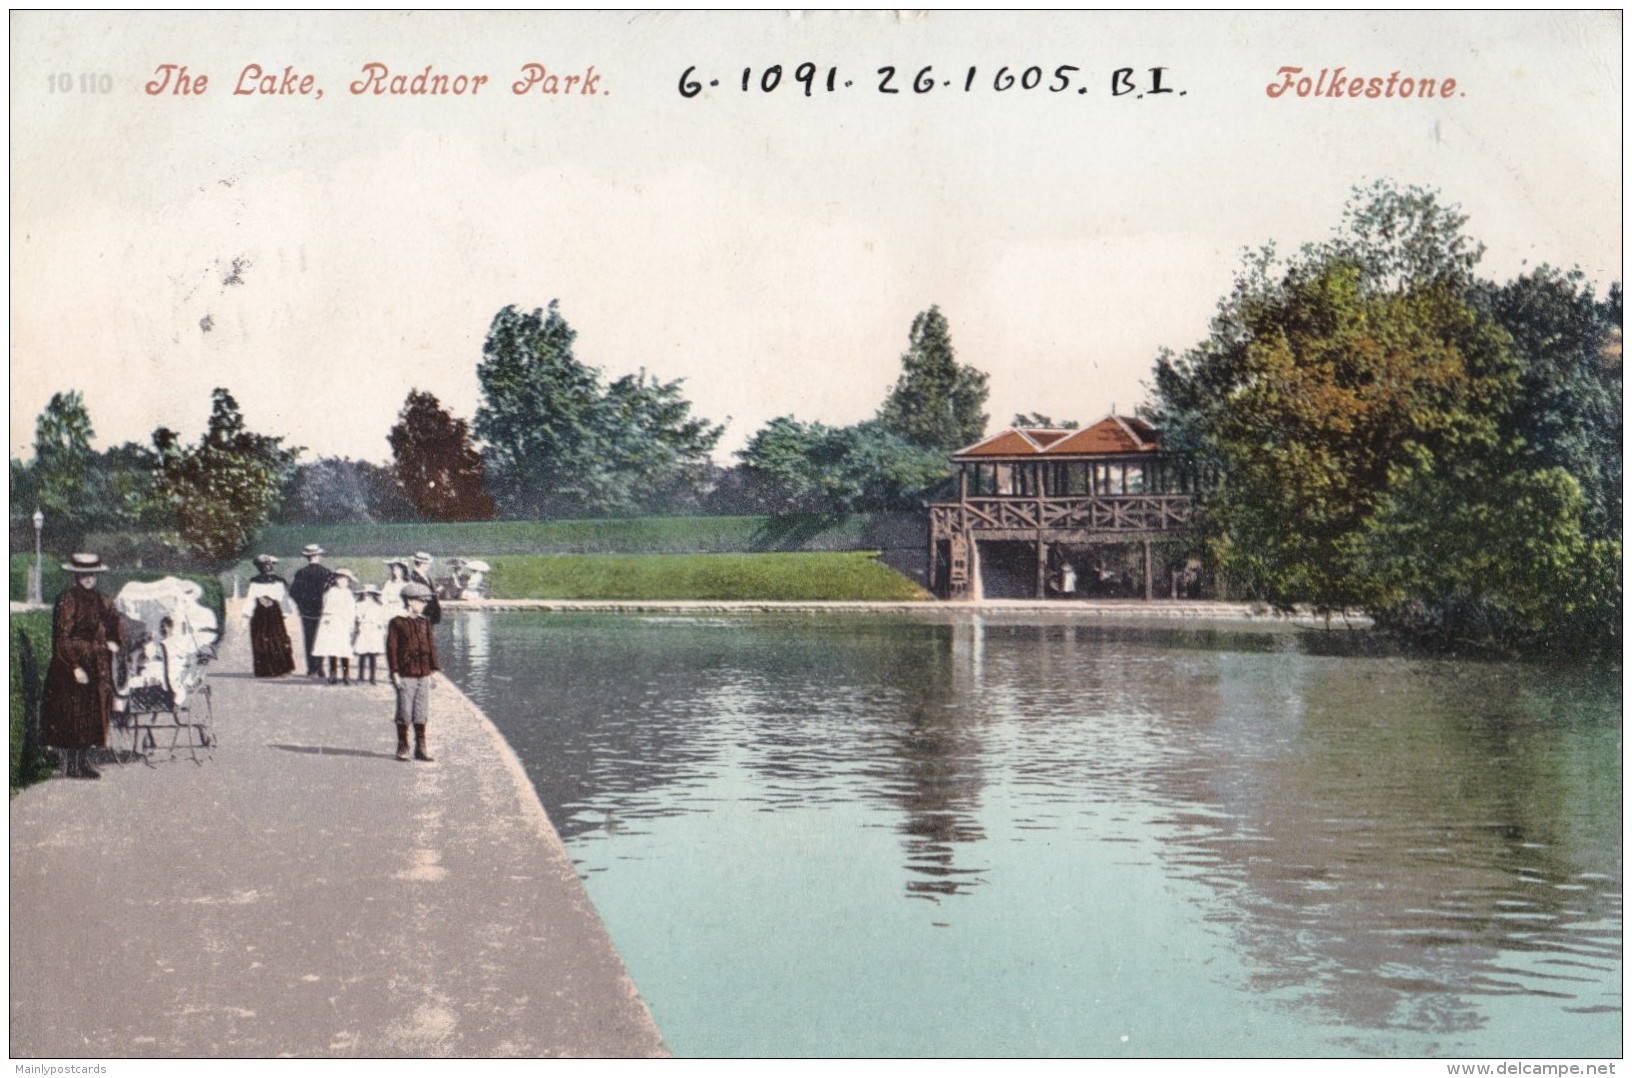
1042, 567
1149, 584
934, 559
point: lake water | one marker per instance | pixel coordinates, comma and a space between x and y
955, 834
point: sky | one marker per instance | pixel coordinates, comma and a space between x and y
322, 256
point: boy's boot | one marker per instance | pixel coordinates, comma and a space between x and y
419, 743
402, 741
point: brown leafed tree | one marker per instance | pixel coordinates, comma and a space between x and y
436, 463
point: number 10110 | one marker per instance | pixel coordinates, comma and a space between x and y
90, 82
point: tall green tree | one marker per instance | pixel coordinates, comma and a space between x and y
656, 451
437, 465
537, 415
936, 402
65, 481
223, 489
558, 443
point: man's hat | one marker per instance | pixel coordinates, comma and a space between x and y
312, 550
422, 556
84, 563
415, 590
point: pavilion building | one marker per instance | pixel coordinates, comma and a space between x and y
1051, 513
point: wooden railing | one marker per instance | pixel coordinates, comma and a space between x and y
1104, 513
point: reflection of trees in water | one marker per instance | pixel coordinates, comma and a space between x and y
628, 714
1393, 840
588, 705
865, 710
1384, 840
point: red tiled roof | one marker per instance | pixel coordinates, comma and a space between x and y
1009, 443
1112, 435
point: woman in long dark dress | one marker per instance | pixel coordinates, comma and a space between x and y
267, 605
86, 634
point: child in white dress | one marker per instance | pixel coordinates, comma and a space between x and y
372, 619
337, 626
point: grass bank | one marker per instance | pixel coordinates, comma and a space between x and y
849, 576
36, 625
636, 535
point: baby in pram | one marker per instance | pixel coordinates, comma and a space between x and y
167, 669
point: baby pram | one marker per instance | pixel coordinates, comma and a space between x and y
170, 636
467, 580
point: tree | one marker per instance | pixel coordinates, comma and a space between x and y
64, 479
1337, 395
339, 490
223, 489
1037, 420
655, 451
436, 464
1389, 443
815, 468
557, 443
132, 474
936, 403
537, 415
1568, 410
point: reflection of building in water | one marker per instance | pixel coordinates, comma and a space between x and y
1101, 512
968, 652
938, 743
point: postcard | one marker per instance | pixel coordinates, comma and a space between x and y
931, 283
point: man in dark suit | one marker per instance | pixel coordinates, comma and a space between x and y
306, 590
421, 574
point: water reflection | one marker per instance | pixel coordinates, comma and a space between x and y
1394, 850
1395, 839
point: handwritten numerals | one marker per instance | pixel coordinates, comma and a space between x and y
932, 79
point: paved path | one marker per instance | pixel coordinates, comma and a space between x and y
304, 893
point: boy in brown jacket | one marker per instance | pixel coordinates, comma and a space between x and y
410, 655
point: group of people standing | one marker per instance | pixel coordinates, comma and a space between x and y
394, 619
87, 634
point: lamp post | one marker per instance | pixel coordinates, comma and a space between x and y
34, 589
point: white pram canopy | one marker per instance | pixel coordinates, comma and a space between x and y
194, 625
